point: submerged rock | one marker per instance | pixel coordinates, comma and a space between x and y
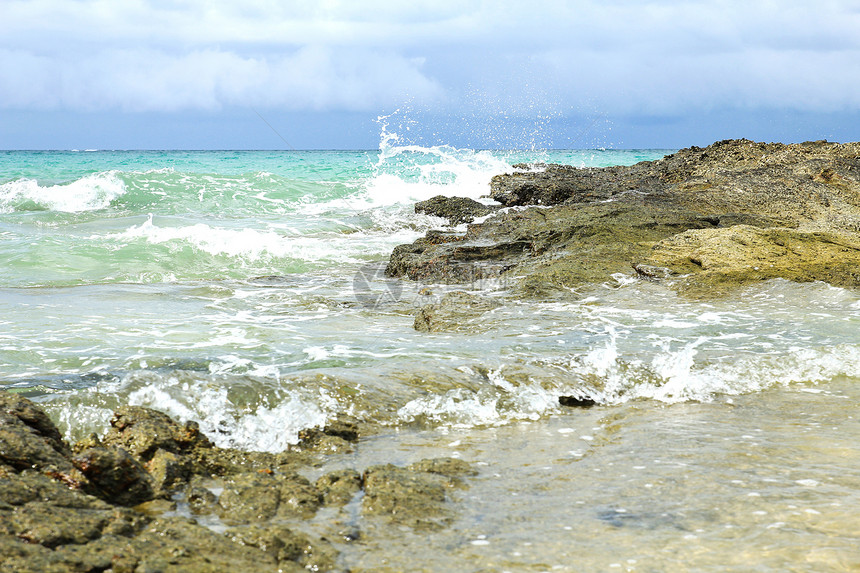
339, 487
576, 402
415, 496
747, 211
456, 311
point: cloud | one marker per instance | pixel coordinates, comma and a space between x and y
659, 57
149, 80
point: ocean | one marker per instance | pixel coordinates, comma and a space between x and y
245, 290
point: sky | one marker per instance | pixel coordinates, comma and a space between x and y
328, 74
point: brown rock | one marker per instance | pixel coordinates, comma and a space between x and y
115, 476
252, 497
28, 438
339, 487
143, 431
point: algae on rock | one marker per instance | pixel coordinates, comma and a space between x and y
731, 203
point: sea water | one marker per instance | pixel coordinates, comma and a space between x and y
244, 290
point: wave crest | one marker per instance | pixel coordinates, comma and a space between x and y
89, 193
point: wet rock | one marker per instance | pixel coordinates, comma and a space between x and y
456, 209
143, 431
582, 226
199, 497
448, 467
227, 462
334, 437
576, 402
115, 476
651, 272
408, 496
51, 525
33, 417
156, 507
180, 544
28, 438
261, 496
16, 556
163, 545
168, 470
30, 486
339, 487
455, 312
46, 525
288, 547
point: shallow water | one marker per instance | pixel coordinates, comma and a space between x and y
244, 290
760, 482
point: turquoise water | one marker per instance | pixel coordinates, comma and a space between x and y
126, 264
244, 290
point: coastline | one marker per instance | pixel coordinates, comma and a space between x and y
703, 220
153, 494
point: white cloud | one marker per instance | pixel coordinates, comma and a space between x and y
655, 57
149, 80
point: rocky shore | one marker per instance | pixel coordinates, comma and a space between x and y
155, 495
702, 220
152, 494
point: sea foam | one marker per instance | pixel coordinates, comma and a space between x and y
89, 193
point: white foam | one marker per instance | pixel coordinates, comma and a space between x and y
268, 429
91, 192
406, 174
673, 373
258, 244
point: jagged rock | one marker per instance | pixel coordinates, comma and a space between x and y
51, 519
456, 209
593, 223
334, 437
554, 184
28, 438
456, 311
115, 476
143, 431
168, 470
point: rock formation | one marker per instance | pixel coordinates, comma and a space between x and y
702, 219
70, 508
